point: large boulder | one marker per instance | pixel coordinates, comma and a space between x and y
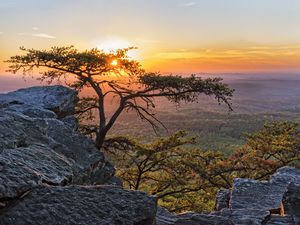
57, 99
41, 144
50, 174
105, 205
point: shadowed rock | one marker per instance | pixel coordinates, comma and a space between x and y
41, 148
222, 199
103, 205
43, 158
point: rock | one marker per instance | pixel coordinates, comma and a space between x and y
55, 153
267, 197
281, 220
58, 99
252, 194
250, 202
246, 216
222, 199
286, 175
50, 174
26, 167
202, 219
105, 205
164, 217
291, 201
71, 121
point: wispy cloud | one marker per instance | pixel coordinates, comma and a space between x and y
43, 35
40, 35
187, 4
35, 28
1, 32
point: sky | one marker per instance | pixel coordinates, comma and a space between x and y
172, 36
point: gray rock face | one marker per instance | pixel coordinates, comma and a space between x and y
222, 199
250, 202
41, 149
39, 135
251, 194
105, 205
164, 217
202, 219
291, 201
57, 99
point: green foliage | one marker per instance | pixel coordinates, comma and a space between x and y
188, 87
186, 178
276, 145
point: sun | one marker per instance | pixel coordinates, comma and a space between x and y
117, 43
114, 62
113, 45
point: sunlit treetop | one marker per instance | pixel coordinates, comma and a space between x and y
94, 68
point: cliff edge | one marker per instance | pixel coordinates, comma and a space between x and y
50, 174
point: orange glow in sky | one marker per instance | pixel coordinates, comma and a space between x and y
172, 36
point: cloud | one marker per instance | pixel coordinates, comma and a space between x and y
43, 35
35, 28
40, 35
1, 33
187, 4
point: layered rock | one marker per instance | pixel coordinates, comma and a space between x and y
49, 172
105, 205
250, 202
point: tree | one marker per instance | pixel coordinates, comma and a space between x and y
115, 74
183, 177
276, 145
158, 168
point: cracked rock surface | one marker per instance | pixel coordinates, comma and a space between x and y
50, 174
82, 205
250, 202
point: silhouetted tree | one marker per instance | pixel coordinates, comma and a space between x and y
117, 75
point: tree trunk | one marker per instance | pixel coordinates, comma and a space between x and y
100, 138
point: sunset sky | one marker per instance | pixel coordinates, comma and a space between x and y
179, 36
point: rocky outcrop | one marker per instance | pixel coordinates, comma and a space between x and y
250, 202
82, 205
50, 174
